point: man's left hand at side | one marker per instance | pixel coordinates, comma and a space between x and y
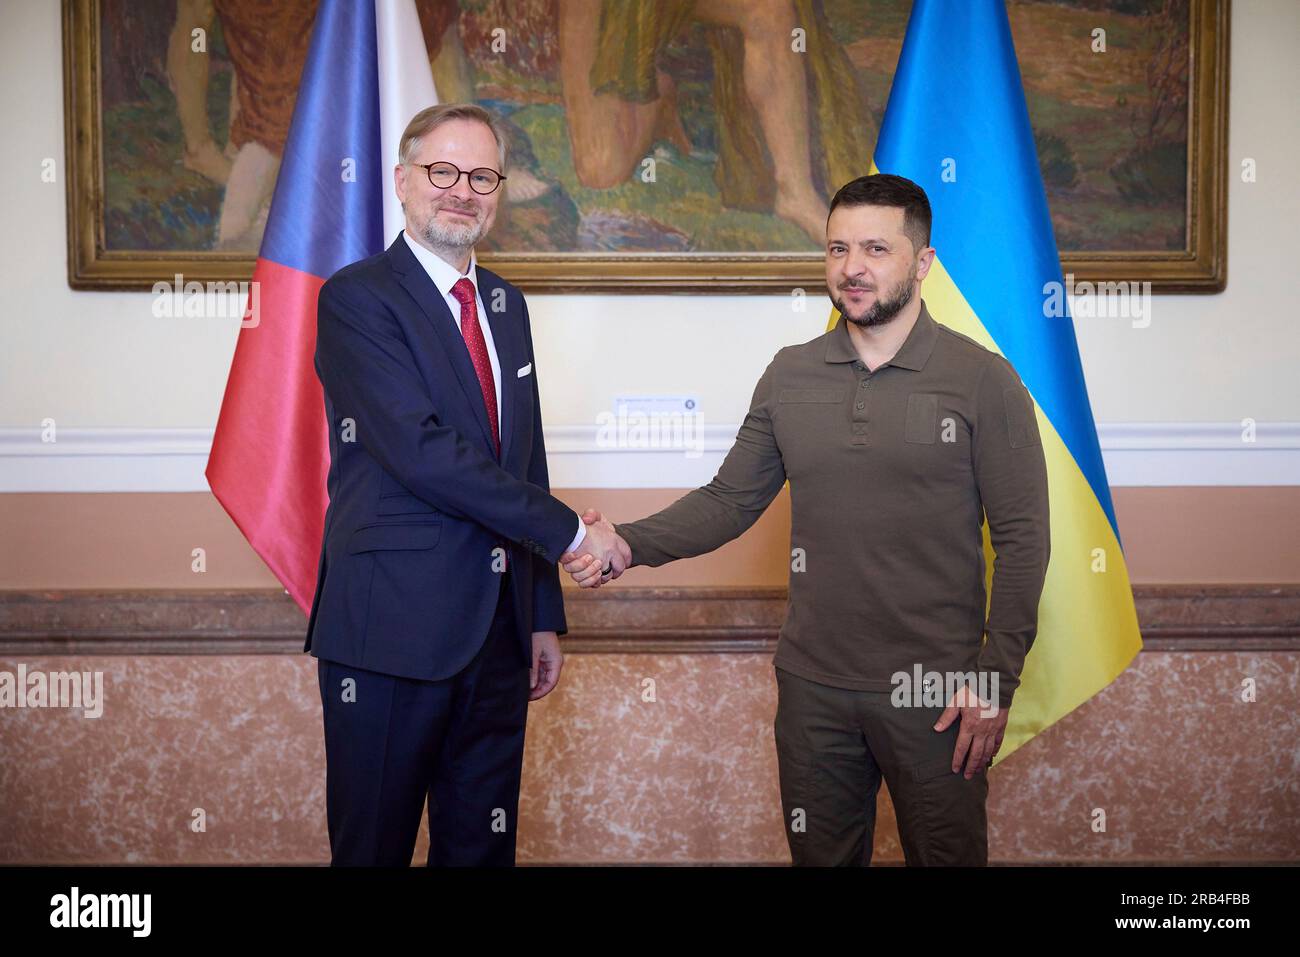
982, 728
547, 662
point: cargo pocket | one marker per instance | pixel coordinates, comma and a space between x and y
946, 820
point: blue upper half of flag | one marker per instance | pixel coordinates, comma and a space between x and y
327, 210
957, 105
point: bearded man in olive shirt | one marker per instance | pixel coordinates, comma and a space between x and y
898, 437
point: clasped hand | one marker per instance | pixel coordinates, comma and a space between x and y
601, 556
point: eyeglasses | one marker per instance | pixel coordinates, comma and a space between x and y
445, 175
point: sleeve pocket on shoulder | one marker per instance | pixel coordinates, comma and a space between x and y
1022, 423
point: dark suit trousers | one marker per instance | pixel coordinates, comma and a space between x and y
393, 741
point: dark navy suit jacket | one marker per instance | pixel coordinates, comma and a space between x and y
408, 580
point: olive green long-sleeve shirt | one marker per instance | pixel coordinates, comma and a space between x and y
891, 474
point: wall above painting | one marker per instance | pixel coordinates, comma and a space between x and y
641, 158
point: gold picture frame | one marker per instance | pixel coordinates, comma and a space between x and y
1200, 266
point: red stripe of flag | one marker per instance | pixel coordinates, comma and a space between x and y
270, 451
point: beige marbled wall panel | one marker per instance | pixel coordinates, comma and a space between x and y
1183, 769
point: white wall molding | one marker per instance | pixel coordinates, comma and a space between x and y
1200, 453
172, 460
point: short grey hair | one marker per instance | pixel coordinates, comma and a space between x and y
430, 118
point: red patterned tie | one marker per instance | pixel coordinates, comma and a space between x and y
478, 354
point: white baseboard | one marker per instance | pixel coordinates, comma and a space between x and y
173, 460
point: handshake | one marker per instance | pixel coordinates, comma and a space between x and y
601, 556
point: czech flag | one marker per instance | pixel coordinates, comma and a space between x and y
367, 73
957, 125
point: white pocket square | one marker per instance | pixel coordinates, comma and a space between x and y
524, 371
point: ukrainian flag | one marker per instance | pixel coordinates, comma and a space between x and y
957, 125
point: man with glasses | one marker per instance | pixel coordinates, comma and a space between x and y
438, 603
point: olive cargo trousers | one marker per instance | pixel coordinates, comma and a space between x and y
833, 746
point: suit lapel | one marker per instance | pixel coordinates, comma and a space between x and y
416, 281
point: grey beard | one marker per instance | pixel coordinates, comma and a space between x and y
882, 310
439, 236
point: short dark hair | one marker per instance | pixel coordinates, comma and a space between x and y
886, 189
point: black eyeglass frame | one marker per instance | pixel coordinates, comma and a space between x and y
468, 174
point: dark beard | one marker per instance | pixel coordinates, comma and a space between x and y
882, 310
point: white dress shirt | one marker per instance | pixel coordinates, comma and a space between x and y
444, 276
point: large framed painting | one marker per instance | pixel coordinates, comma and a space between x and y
644, 155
